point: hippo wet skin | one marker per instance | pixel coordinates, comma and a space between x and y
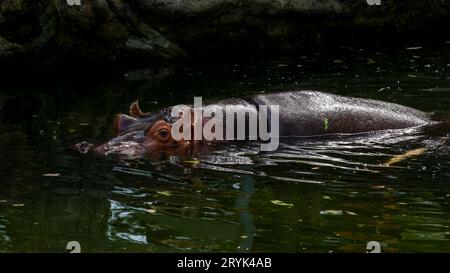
301, 113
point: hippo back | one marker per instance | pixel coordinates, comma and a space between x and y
305, 113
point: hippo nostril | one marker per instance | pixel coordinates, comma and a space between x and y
162, 155
174, 144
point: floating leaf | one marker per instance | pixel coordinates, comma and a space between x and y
350, 212
165, 193
192, 161
281, 203
51, 174
402, 157
3, 201
414, 48
392, 206
331, 212
326, 197
18, 205
384, 88
325, 123
370, 61
152, 211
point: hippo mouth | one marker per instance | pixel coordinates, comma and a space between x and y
159, 145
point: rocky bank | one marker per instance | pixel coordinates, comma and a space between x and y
154, 30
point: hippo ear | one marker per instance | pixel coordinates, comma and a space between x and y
135, 110
122, 123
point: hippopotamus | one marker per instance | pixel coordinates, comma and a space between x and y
301, 114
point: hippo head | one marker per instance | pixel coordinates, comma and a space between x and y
145, 134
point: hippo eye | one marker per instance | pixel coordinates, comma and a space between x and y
163, 133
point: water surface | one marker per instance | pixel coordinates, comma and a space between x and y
312, 195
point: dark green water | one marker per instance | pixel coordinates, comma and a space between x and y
309, 196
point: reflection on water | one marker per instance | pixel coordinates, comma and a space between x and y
311, 195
